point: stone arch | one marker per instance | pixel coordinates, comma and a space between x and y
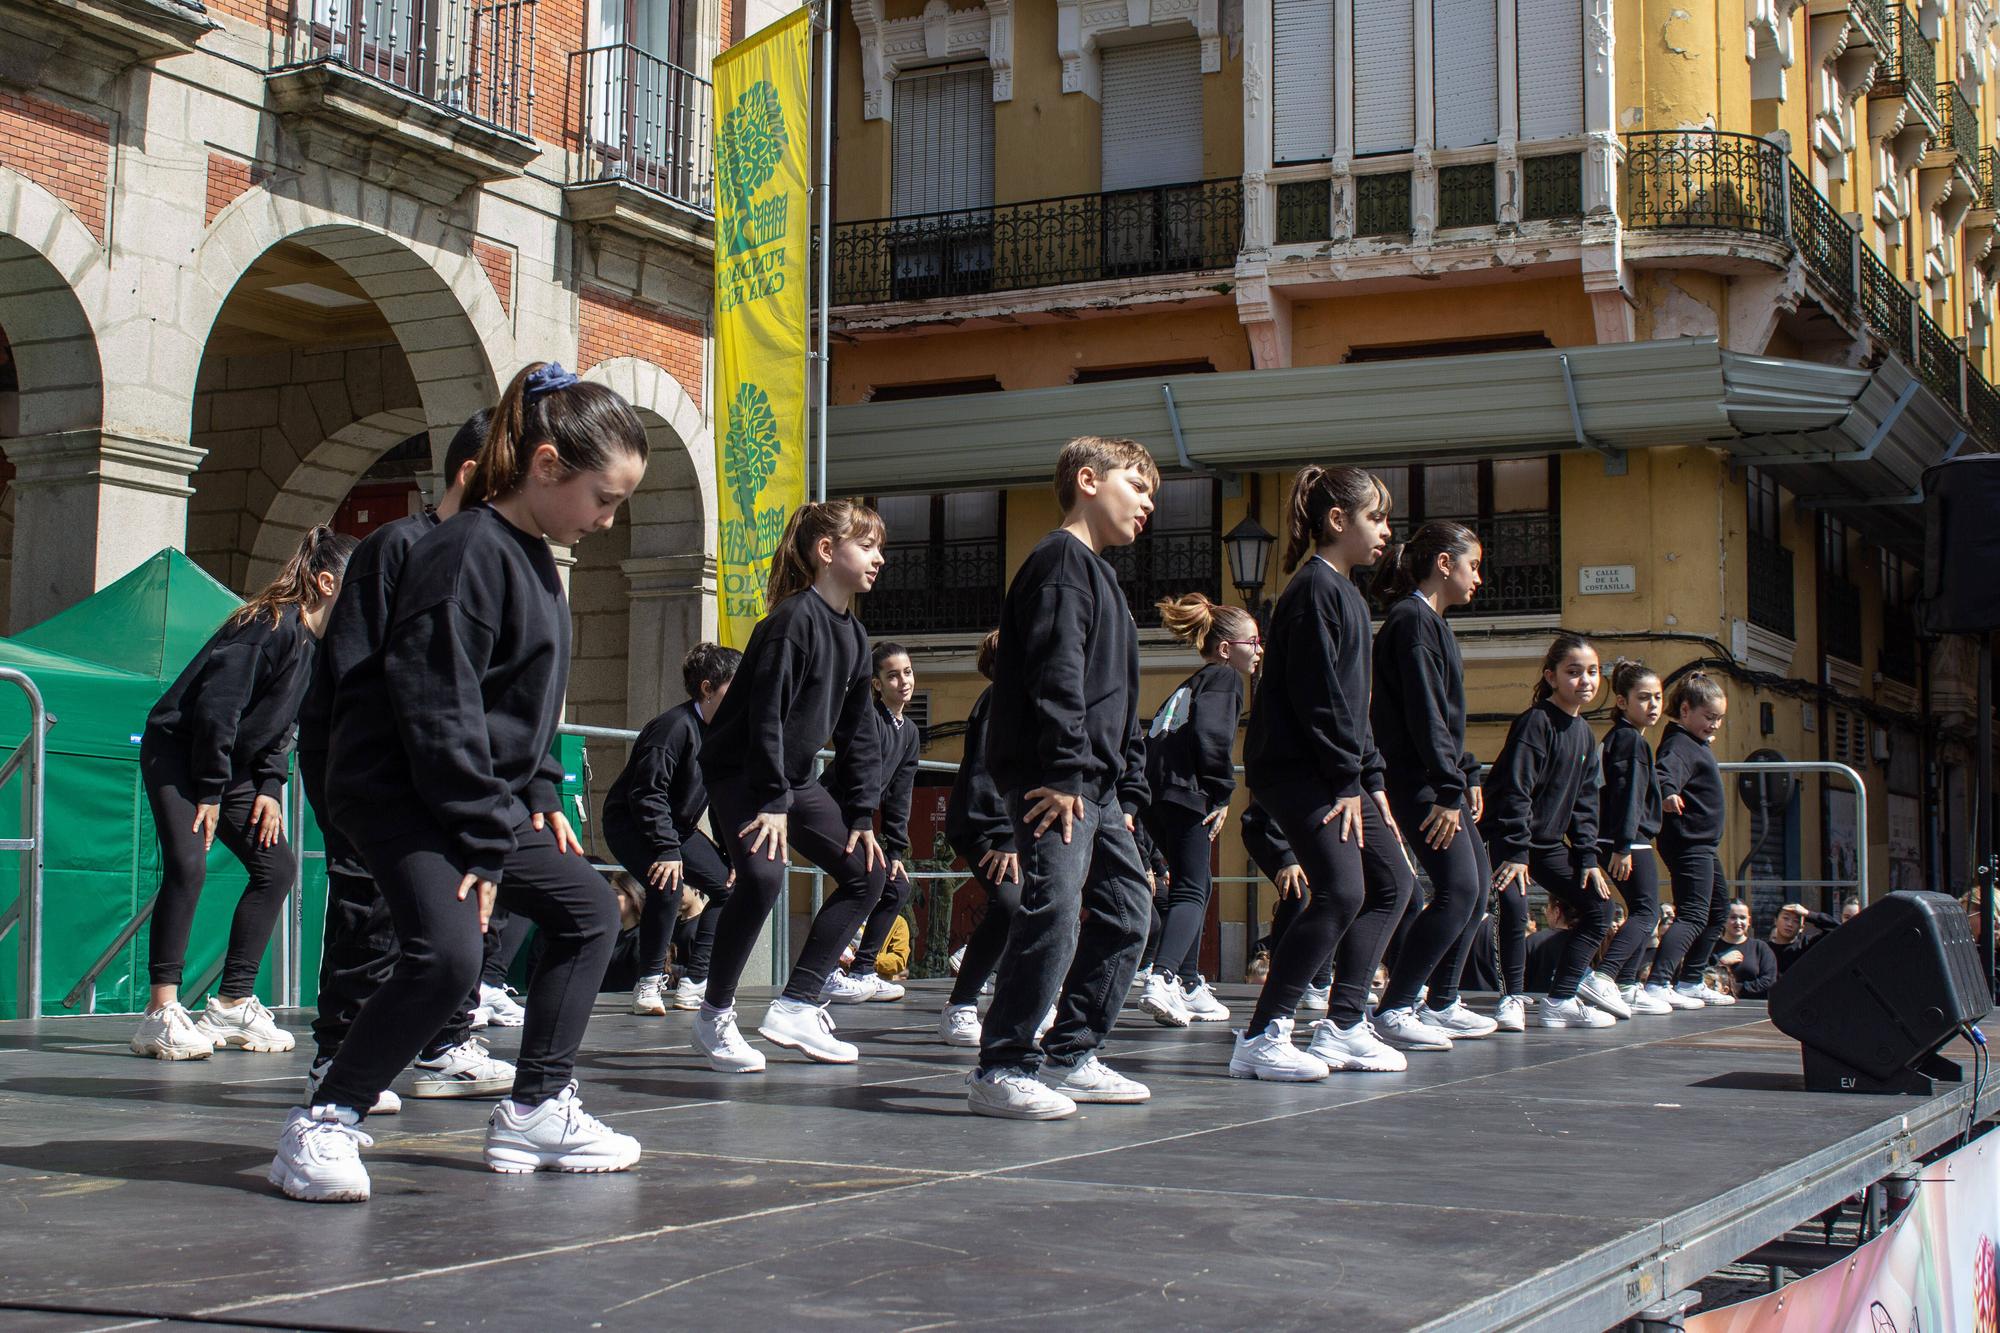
52, 275
320, 480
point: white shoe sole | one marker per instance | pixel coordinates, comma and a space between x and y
1162, 1015
656, 1009
509, 1160
1102, 1098
1368, 1066
792, 1043
173, 1052
1218, 1016
1407, 1043
463, 1087
298, 1187
1486, 1029
727, 1065
1268, 1074
1002, 1112
1549, 1020
255, 1045
688, 1006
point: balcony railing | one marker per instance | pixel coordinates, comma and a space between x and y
1824, 241
1886, 305
476, 57
1842, 631
1875, 17
1908, 65
1938, 360
948, 587
1771, 586
1041, 243
1958, 132
1521, 565
1988, 158
1167, 564
1704, 179
646, 121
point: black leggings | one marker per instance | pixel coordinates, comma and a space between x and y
814, 829
1459, 880
442, 954
1701, 899
660, 918
875, 934
505, 934
1449, 974
1158, 927
1589, 916
1641, 891
1183, 839
1283, 915
163, 767
989, 937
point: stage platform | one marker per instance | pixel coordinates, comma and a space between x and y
1546, 1180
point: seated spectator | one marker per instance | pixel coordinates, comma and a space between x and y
1797, 930
1850, 908
1545, 949
893, 963
1749, 962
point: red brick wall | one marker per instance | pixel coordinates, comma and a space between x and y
271, 14
229, 177
498, 261
65, 152
559, 32
612, 325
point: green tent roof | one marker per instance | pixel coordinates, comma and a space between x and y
150, 622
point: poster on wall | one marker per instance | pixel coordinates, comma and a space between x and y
1906, 866
1843, 838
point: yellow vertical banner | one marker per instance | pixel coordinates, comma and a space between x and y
763, 162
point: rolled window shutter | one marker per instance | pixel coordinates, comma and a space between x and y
1302, 81
1551, 53
1465, 60
1385, 44
1152, 114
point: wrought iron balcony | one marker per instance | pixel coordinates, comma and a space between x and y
473, 57
1771, 586
1875, 21
954, 586
1521, 565
1167, 564
1704, 180
1907, 66
1887, 307
1040, 243
1824, 241
1939, 362
646, 121
1958, 130
1841, 605
1987, 160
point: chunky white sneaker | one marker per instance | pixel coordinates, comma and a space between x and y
386, 1104
558, 1135
1458, 1021
168, 1033
466, 1070
1707, 994
1641, 1000
716, 1037
1162, 999
1674, 997
1574, 1013
960, 1025
881, 990
689, 993
1601, 992
319, 1157
1271, 1056
807, 1029
1012, 1093
1358, 1048
1405, 1029
1202, 1006
840, 988
1094, 1081
1511, 1015
249, 1025
647, 997
1317, 999
500, 1007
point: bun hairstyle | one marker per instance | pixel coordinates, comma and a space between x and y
1627, 675
708, 664
588, 425
1566, 645
1202, 624
1411, 562
1697, 689
320, 551
794, 565
1316, 492
989, 649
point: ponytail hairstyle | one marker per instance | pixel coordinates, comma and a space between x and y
708, 664
588, 425
1202, 624
1413, 561
794, 565
321, 551
1316, 492
989, 649
882, 652
1627, 674
1697, 689
1565, 646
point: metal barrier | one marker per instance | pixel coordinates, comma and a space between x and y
31, 761
1860, 881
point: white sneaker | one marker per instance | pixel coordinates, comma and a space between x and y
466, 1070
169, 1033
808, 1029
1574, 1013
1271, 1056
1641, 1000
716, 1037
1511, 1015
319, 1157
1458, 1021
1674, 997
840, 988
1406, 1029
882, 990
500, 1007
1012, 1093
386, 1104
688, 993
1094, 1081
1358, 1048
1317, 999
1602, 992
960, 1025
249, 1025
1707, 994
1202, 1006
1162, 999
647, 997
558, 1135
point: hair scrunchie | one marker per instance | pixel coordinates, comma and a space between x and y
547, 380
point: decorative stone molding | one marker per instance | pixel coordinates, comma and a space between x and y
1844, 64
1768, 45
893, 46
621, 207
79, 46
1081, 26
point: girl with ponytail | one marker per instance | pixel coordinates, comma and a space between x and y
1629, 821
213, 760
1692, 805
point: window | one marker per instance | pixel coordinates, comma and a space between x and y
1840, 600
1152, 370
941, 181
1896, 659
1385, 61
902, 393
1153, 217
1302, 81
1550, 37
1770, 605
945, 567
1465, 59
1510, 503
1180, 550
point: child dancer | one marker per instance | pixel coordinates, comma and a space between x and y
1541, 818
976, 822
804, 678
213, 762
1191, 773
652, 822
1061, 742
1419, 715
895, 684
1691, 841
1628, 822
441, 775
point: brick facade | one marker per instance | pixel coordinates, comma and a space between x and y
610, 325
498, 261
65, 152
228, 178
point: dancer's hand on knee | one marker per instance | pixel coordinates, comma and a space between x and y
664, 876
205, 818
488, 891
1291, 882
267, 817
1621, 867
1593, 878
997, 867
1512, 874
1049, 807
767, 834
1215, 819
557, 822
873, 855
1674, 805
1440, 827
1381, 799
1348, 812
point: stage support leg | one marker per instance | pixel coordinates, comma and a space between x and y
1667, 1316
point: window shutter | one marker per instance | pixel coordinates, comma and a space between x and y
1466, 72
1551, 53
1385, 44
1152, 114
943, 142
1302, 81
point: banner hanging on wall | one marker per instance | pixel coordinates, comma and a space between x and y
763, 160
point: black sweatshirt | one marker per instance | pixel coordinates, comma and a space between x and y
360, 621
1309, 722
1817, 924
233, 707
1688, 770
660, 795
975, 818
803, 681
1265, 842
1066, 680
450, 726
1419, 706
1758, 971
1190, 759
1542, 791
898, 741
1628, 809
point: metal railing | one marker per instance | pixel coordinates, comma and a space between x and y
1907, 64
1876, 21
646, 121
24, 916
1988, 157
1771, 595
1706, 179
475, 57
1958, 130
1887, 307
1824, 241
953, 585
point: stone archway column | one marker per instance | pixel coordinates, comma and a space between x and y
672, 609
91, 506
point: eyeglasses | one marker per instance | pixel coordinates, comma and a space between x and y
1248, 643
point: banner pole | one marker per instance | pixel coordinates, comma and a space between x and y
829, 35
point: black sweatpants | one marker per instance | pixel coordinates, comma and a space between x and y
1449, 975
895, 897
1337, 890
989, 937
442, 954
1459, 881
1701, 909
1589, 916
1641, 891
1388, 888
816, 831
1183, 839
163, 768
505, 934
660, 921
1283, 914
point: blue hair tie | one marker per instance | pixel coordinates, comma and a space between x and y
547, 380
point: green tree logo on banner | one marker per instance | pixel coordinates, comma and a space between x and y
747, 150
750, 449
